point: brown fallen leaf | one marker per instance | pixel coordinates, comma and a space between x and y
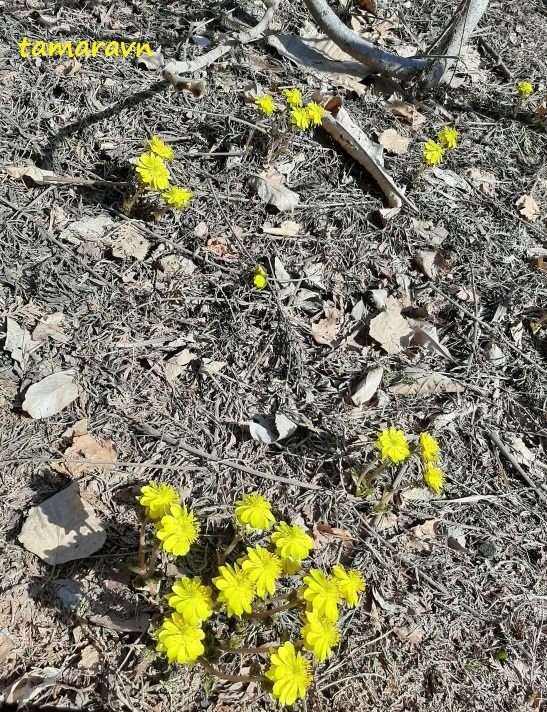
324, 534
528, 208
430, 262
393, 142
325, 330
85, 447
222, 247
368, 6
414, 635
389, 328
6, 646
484, 181
406, 111
270, 189
367, 387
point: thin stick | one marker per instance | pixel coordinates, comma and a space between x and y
183, 445
248, 651
386, 499
231, 546
494, 437
224, 676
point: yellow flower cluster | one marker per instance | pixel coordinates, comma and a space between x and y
394, 447
152, 173
524, 89
187, 632
433, 152
300, 116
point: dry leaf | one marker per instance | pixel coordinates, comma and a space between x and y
414, 635
270, 188
89, 659
323, 58
222, 247
270, 429
50, 395
208, 367
325, 330
406, 111
50, 327
87, 448
129, 243
90, 229
430, 262
63, 528
366, 388
138, 624
368, 6
324, 534
424, 383
177, 364
33, 172
425, 334
393, 142
30, 686
19, 343
390, 329
287, 228
528, 208
484, 181
6, 646
283, 278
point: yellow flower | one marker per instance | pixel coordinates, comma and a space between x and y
260, 279
392, 445
157, 499
192, 600
293, 97
263, 569
177, 530
290, 566
433, 153
160, 149
266, 104
300, 118
152, 171
177, 197
236, 589
448, 137
524, 89
322, 593
315, 113
254, 512
434, 477
290, 673
350, 584
320, 635
430, 448
180, 640
291, 542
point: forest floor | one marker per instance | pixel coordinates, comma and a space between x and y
430, 319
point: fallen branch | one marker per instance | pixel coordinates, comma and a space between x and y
173, 70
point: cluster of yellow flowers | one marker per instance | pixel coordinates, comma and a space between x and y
260, 279
394, 447
152, 173
253, 576
434, 152
300, 116
524, 89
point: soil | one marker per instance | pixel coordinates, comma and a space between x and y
177, 356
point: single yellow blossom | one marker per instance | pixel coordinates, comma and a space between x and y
236, 589
254, 512
290, 673
350, 584
263, 569
177, 530
177, 197
524, 89
434, 477
191, 599
260, 279
448, 137
315, 113
160, 149
433, 153
152, 171
320, 635
291, 541
157, 499
300, 118
293, 97
180, 640
392, 445
429, 448
266, 104
322, 592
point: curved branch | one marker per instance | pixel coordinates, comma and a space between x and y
172, 69
455, 36
379, 61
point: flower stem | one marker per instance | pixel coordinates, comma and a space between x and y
142, 564
376, 472
365, 472
225, 676
131, 202
160, 213
273, 611
231, 546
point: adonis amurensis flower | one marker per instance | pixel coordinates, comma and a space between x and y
448, 137
433, 153
177, 530
293, 97
291, 541
429, 448
263, 568
260, 279
157, 499
393, 445
160, 149
320, 635
152, 171
290, 673
434, 477
524, 89
191, 599
180, 640
350, 584
266, 104
177, 198
236, 589
253, 511
322, 593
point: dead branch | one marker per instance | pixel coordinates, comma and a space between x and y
173, 70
